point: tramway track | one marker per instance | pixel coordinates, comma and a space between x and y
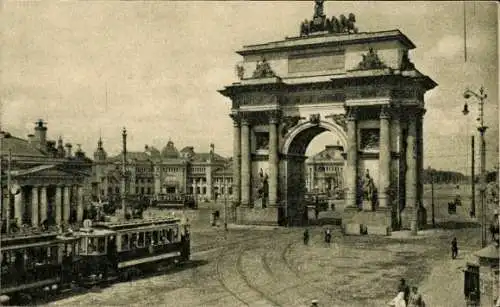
296, 272
239, 268
221, 279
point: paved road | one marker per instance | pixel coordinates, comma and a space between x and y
274, 268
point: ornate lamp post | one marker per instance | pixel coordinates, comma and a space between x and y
481, 97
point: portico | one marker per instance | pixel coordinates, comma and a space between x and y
47, 194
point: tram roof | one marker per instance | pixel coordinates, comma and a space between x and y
136, 223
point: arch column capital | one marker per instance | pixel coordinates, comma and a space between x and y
236, 119
274, 116
351, 113
385, 112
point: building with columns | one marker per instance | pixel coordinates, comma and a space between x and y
48, 181
362, 87
325, 171
153, 172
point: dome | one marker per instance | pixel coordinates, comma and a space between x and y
170, 151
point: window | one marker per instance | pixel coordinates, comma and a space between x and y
125, 242
133, 240
149, 191
101, 245
140, 241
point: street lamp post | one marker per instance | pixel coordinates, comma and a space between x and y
432, 198
481, 97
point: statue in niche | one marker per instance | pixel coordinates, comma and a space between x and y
263, 187
371, 61
262, 141
369, 190
263, 70
369, 139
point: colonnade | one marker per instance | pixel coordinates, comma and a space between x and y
412, 119
242, 172
40, 204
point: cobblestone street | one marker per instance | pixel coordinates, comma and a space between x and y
271, 267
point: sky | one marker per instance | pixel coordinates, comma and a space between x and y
161, 64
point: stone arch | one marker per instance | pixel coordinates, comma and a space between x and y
296, 140
292, 167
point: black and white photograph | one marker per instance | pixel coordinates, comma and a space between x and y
249, 153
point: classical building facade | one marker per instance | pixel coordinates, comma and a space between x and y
362, 87
153, 172
325, 171
48, 180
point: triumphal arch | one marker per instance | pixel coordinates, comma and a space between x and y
362, 87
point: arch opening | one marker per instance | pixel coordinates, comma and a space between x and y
312, 170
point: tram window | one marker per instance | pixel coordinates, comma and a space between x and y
91, 245
155, 237
125, 242
170, 235
134, 240
148, 238
140, 242
101, 245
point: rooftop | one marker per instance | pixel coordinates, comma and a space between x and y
328, 39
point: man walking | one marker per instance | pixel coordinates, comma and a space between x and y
454, 248
306, 236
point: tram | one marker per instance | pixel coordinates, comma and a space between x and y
175, 201
40, 263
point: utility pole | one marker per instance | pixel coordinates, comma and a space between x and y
124, 171
432, 198
482, 130
473, 180
225, 206
9, 193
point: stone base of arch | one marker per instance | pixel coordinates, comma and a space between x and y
377, 222
259, 216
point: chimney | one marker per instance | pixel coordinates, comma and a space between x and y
68, 150
31, 138
41, 134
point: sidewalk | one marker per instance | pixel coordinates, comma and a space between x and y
445, 285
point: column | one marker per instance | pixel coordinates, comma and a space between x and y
420, 154
58, 203
43, 203
245, 163
67, 208
18, 207
34, 207
273, 160
236, 159
79, 208
411, 171
384, 178
352, 158
208, 175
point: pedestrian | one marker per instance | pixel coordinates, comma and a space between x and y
454, 248
328, 236
398, 301
306, 236
403, 287
415, 298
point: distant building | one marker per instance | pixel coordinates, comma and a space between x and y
153, 172
48, 180
325, 170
